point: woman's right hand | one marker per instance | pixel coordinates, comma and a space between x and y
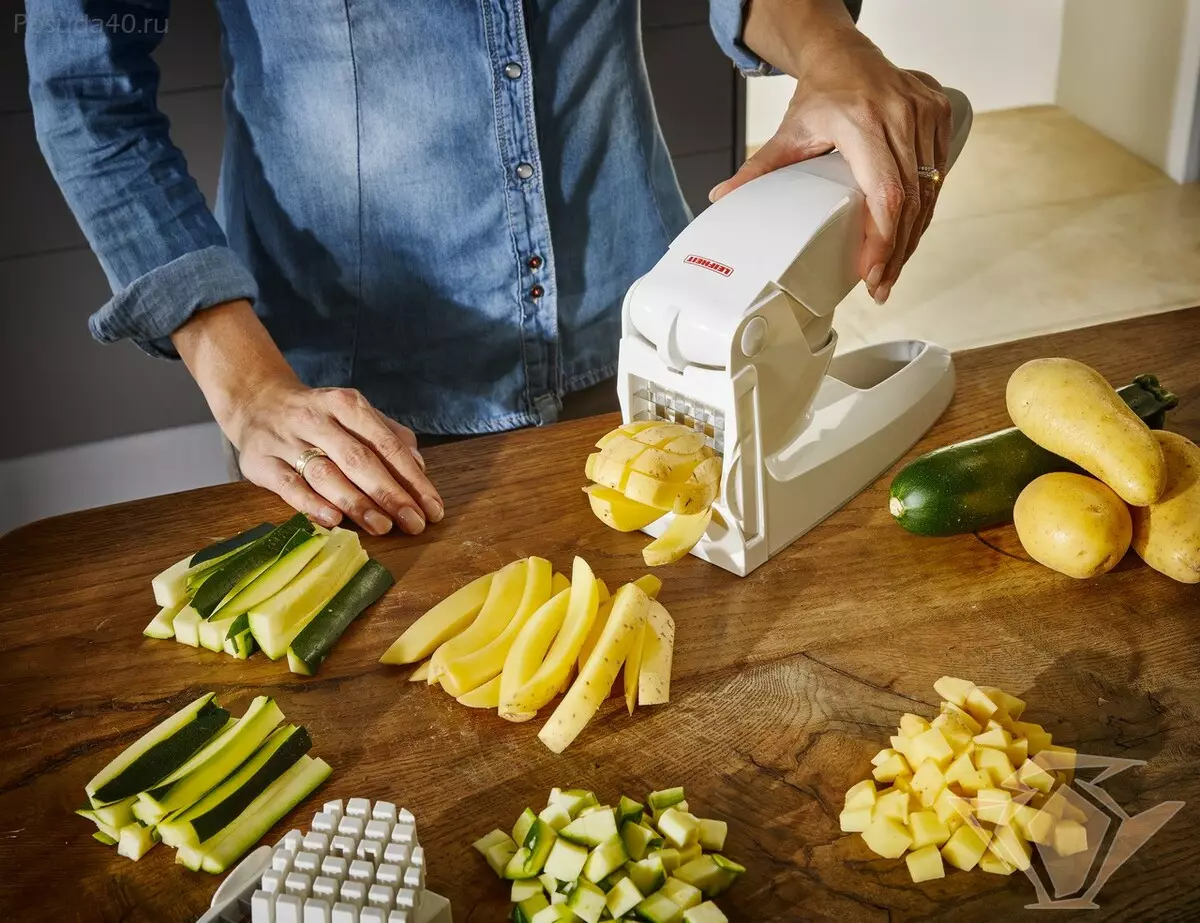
371, 470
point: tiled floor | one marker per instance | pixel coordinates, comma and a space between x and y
1043, 225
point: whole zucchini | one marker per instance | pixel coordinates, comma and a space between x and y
973, 485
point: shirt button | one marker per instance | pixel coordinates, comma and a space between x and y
512, 70
524, 170
536, 292
535, 262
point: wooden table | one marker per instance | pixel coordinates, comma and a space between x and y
785, 681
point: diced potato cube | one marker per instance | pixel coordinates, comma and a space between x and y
966, 846
996, 737
961, 769
994, 805
860, 795
1022, 815
894, 766
1038, 739
893, 803
928, 782
1040, 828
925, 864
979, 706
990, 862
887, 837
1058, 759
931, 745
926, 829
1011, 847
1018, 751
854, 820
1056, 804
912, 725
1011, 704
882, 756
962, 717
903, 782
903, 746
1070, 837
953, 689
1034, 776
950, 806
997, 765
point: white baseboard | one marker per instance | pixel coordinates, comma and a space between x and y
112, 471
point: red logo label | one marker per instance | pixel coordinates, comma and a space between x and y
709, 264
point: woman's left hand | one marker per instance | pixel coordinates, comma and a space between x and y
885, 121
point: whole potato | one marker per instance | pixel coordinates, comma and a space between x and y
1073, 524
1166, 534
1071, 410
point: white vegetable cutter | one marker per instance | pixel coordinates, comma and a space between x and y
731, 334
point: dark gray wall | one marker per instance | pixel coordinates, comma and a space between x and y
62, 388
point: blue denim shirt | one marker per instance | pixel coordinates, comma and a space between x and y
440, 204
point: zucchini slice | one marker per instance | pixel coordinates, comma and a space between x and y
158, 752
314, 642
300, 781
103, 838
278, 620
162, 626
214, 763
135, 840
187, 626
172, 585
251, 560
241, 645
221, 806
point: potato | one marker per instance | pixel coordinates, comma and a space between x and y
1166, 534
1071, 410
1073, 524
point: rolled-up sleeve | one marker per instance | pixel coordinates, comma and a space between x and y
94, 88
728, 21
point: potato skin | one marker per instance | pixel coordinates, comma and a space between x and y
1073, 524
1166, 534
1071, 410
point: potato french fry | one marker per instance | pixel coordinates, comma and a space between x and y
528, 652
633, 667
420, 674
501, 605
658, 654
439, 624
680, 536
485, 696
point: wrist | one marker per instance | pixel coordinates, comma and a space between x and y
799, 36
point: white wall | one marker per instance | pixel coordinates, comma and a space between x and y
111, 471
1002, 53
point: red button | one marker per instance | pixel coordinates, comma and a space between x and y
535, 262
536, 292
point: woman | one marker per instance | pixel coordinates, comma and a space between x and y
429, 213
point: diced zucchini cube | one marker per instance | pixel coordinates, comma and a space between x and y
539, 841
661, 800
658, 908
683, 894
587, 902
628, 809
558, 897
525, 888
549, 882
669, 857
533, 905
925, 864
638, 840
688, 853
648, 874
524, 823
556, 816
591, 829
712, 834
500, 855
518, 865
622, 898
708, 912
702, 873
679, 828
605, 859
555, 913
566, 860
495, 838
573, 799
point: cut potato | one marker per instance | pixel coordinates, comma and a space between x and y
485, 696
925, 864
630, 607
680, 537
420, 674
439, 624
658, 654
633, 668
528, 652
498, 609
613, 509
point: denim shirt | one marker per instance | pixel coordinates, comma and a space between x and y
440, 204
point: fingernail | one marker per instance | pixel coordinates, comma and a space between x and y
438, 512
377, 522
875, 275
412, 521
420, 458
712, 193
882, 293
328, 516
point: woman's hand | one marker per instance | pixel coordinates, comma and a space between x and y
372, 471
885, 121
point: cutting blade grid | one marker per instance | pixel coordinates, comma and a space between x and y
656, 403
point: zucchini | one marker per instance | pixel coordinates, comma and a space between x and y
162, 626
300, 781
172, 585
314, 642
103, 838
240, 643
277, 621
135, 840
973, 485
218, 809
187, 626
245, 565
216, 761
158, 752
115, 815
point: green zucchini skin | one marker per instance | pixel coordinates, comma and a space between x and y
318, 637
973, 485
228, 573
222, 548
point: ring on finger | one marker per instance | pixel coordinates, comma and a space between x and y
305, 457
932, 174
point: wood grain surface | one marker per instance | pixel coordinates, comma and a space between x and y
785, 682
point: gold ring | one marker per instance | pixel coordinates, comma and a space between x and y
305, 457
933, 174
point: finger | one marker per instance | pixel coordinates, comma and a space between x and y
277, 476
369, 426
926, 156
870, 158
902, 140
405, 435
327, 479
780, 151
943, 132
